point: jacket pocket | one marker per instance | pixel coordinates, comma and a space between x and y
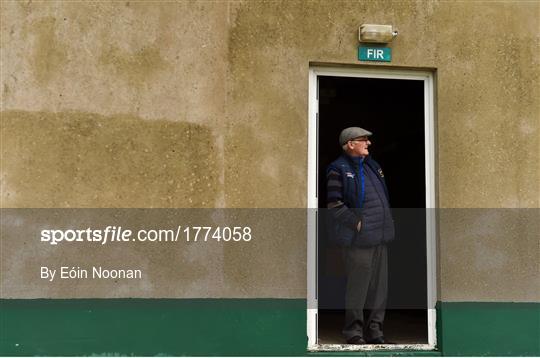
339, 233
346, 235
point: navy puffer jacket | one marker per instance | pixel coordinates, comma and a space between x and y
357, 192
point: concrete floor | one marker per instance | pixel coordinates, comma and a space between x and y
400, 326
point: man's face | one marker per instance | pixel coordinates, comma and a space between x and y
359, 146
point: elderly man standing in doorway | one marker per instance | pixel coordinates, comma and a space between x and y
361, 222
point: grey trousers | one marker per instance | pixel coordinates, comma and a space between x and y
367, 288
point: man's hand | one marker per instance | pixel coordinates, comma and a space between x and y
359, 226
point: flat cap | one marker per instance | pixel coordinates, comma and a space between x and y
352, 132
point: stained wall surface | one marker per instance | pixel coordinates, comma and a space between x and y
204, 104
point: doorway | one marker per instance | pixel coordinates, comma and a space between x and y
397, 106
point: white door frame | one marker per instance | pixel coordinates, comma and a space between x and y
429, 132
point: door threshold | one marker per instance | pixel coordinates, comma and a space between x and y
371, 347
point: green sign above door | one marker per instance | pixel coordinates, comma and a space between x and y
366, 53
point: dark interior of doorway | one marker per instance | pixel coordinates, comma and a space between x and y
394, 111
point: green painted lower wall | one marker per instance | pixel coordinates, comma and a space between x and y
492, 329
233, 327
150, 327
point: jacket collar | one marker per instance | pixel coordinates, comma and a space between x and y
356, 161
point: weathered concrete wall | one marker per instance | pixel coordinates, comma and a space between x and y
114, 97
204, 104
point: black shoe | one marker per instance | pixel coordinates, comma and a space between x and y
356, 340
378, 340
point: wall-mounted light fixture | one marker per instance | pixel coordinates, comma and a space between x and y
376, 33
